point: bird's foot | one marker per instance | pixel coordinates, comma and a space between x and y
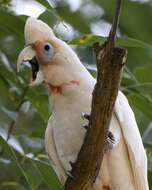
85, 116
71, 164
68, 173
110, 142
85, 127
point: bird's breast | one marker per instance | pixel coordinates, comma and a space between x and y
68, 131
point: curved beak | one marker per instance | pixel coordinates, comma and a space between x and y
25, 56
28, 57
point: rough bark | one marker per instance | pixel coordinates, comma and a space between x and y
110, 61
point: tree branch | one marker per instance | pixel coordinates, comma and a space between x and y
113, 31
110, 60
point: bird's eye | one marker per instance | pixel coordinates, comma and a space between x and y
47, 52
47, 47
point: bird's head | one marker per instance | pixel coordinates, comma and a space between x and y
52, 61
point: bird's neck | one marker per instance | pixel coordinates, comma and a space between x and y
69, 95
60, 89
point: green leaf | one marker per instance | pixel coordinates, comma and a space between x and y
134, 15
39, 100
48, 175
89, 39
13, 142
12, 23
149, 179
11, 114
50, 17
9, 150
33, 173
142, 103
147, 136
45, 3
144, 74
35, 170
31, 144
50, 14
131, 42
76, 19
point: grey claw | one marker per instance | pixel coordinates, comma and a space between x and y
71, 163
69, 174
111, 137
85, 127
85, 116
110, 141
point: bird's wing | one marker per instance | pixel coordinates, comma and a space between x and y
133, 141
52, 152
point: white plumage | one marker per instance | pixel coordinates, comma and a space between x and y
125, 166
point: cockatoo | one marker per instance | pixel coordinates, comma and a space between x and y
70, 87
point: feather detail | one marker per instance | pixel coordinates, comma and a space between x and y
52, 152
136, 151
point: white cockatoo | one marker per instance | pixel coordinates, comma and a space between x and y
70, 87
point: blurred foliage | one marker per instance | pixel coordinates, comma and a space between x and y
24, 111
5, 4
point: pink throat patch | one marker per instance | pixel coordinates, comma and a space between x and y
57, 90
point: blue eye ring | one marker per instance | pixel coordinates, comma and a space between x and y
47, 47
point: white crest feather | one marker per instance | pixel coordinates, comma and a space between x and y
36, 30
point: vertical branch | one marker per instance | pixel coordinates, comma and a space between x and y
113, 31
110, 61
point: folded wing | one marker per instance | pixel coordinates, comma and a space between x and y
52, 153
133, 141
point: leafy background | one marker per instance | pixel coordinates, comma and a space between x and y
24, 111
